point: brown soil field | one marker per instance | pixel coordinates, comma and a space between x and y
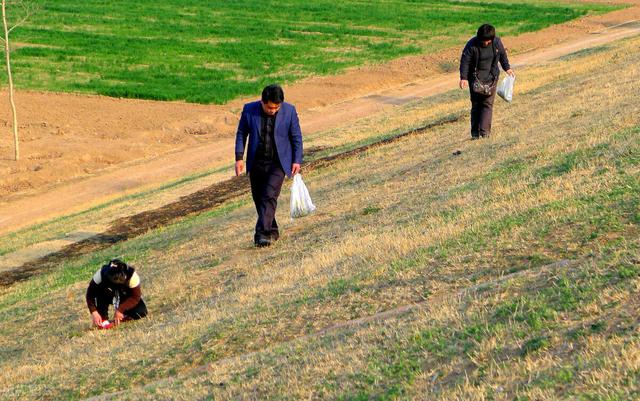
78, 150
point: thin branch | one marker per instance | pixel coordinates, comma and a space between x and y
28, 10
22, 21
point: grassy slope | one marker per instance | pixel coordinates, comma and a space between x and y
202, 53
559, 180
102, 215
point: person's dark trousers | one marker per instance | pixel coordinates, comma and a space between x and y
266, 182
481, 113
106, 298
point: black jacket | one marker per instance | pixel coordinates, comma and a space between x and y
128, 292
470, 54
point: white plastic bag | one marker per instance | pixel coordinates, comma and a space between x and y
301, 204
505, 88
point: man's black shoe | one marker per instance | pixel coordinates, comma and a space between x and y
263, 242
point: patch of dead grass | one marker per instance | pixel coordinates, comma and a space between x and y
436, 224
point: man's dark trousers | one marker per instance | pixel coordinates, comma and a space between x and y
266, 179
105, 298
481, 113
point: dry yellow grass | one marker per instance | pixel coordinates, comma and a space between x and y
399, 224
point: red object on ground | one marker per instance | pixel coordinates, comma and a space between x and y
105, 325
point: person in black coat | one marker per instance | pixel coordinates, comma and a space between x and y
115, 284
479, 62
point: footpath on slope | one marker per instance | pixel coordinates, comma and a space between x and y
355, 94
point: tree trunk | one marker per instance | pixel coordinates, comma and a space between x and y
8, 61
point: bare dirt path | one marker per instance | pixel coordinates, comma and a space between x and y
82, 150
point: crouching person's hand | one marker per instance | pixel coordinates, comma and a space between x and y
117, 317
96, 318
464, 83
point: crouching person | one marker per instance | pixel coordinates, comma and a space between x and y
119, 285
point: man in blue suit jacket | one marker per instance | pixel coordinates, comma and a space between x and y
274, 150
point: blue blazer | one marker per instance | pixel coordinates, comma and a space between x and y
287, 134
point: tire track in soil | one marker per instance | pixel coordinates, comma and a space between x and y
206, 199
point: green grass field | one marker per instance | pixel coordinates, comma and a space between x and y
211, 52
459, 253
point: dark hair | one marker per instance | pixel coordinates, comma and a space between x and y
486, 32
117, 272
273, 93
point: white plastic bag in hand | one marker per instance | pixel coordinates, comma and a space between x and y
505, 88
301, 204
